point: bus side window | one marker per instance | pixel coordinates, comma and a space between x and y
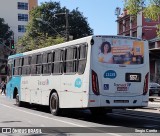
82, 58
57, 61
44, 65
49, 62
39, 64
20, 66
70, 60
16, 65
33, 64
26, 65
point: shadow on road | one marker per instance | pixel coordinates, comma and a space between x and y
121, 118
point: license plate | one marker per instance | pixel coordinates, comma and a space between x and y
121, 101
133, 77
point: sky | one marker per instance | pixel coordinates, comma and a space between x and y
100, 14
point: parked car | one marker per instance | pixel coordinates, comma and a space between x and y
154, 89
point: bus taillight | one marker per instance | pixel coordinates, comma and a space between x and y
145, 88
95, 86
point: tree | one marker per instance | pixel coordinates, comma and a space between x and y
5, 32
28, 43
46, 23
152, 10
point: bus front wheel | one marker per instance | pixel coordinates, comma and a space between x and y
54, 104
18, 102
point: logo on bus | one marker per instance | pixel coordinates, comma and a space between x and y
78, 83
122, 87
106, 87
110, 74
44, 82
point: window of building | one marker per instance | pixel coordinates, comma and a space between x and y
21, 28
22, 17
134, 21
120, 27
127, 23
134, 34
22, 5
148, 20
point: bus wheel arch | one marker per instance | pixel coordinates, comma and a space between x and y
54, 103
16, 96
15, 92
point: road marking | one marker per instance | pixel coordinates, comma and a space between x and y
154, 103
66, 122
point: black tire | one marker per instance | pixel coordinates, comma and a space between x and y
150, 93
54, 104
98, 111
18, 102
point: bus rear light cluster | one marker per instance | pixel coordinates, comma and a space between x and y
95, 85
145, 87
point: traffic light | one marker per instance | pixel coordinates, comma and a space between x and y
12, 44
7, 43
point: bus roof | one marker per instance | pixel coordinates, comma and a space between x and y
77, 41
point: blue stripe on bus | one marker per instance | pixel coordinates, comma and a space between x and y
14, 82
15, 56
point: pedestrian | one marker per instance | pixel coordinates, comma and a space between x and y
3, 85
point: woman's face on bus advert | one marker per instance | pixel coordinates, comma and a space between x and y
106, 48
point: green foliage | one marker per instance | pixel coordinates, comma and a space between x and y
134, 6
5, 33
152, 11
28, 43
52, 27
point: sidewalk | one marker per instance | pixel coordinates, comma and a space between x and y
154, 98
2, 93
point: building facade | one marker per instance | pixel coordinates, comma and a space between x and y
136, 26
145, 28
16, 15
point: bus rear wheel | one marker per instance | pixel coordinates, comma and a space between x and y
54, 104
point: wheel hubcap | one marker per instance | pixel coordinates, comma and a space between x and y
53, 104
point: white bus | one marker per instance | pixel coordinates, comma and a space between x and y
95, 72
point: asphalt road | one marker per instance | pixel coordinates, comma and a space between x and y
35, 118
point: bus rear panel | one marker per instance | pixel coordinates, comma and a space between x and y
119, 72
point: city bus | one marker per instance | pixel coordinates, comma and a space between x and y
97, 72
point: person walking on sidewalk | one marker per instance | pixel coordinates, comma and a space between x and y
3, 85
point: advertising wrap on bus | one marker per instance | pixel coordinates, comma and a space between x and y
121, 51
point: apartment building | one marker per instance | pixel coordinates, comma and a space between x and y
16, 15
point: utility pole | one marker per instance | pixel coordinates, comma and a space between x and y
67, 25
